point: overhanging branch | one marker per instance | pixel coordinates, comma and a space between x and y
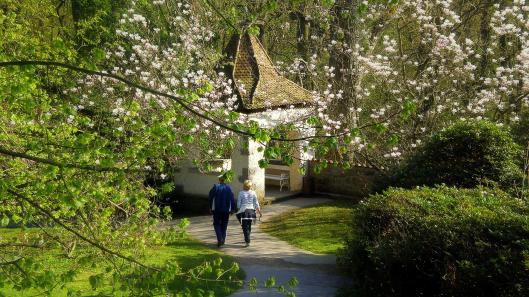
79, 235
127, 82
158, 93
6, 152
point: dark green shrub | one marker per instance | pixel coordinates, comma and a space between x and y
520, 130
439, 242
465, 155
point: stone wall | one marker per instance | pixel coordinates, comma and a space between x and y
356, 182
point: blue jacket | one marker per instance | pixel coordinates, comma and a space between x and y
221, 198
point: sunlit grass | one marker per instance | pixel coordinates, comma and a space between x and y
186, 253
319, 229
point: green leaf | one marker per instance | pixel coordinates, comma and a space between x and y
253, 30
98, 55
393, 139
188, 138
252, 285
263, 163
270, 153
168, 187
379, 128
363, 8
288, 160
313, 121
217, 261
95, 281
327, 3
58, 44
302, 170
4, 221
270, 282
235, 267
219, 272
271, 6
293, 282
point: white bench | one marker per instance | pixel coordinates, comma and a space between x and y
283, 179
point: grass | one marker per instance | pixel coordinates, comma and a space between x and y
319, 229
186, 252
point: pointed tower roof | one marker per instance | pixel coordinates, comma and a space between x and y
257, 82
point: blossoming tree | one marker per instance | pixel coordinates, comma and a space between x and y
79, 136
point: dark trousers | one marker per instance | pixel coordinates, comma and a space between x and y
246, 229
220, 223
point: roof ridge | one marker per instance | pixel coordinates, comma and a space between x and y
252, 51
266, 54
249, 90
264, 86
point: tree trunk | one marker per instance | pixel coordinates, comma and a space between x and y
344, 29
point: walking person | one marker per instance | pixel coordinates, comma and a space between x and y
247, 204
222, 204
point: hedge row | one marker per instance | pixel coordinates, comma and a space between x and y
439, 241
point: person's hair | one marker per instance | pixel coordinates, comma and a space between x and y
247, 185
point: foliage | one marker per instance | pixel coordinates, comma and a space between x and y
89, 276
132, 91
439, 242
519, 130
76, 162
390, 73
465, 154
298, 228
94, 21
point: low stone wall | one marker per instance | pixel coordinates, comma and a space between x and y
356, 182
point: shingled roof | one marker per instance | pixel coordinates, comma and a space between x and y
257, 82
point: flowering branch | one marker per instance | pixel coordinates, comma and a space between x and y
162, 94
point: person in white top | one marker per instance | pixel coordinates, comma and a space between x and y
247, 204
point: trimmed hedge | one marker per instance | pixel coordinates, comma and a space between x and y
439, 242
465, 154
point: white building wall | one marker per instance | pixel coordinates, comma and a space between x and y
191, 181
271, 118
245, 165
244, 161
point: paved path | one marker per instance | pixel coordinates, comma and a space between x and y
270, 256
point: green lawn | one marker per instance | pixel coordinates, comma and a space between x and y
186, 252
319, 229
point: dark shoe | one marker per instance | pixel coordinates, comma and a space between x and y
247, 244
219, 243
222, 242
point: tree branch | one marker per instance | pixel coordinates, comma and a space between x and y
79, 235
15, 244
142, 88
4, 151
172, 97
11, 262
127, 82
221, 15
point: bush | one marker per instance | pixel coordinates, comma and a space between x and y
520, 130
465, 155
439, 242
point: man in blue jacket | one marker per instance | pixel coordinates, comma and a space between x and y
221, 204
